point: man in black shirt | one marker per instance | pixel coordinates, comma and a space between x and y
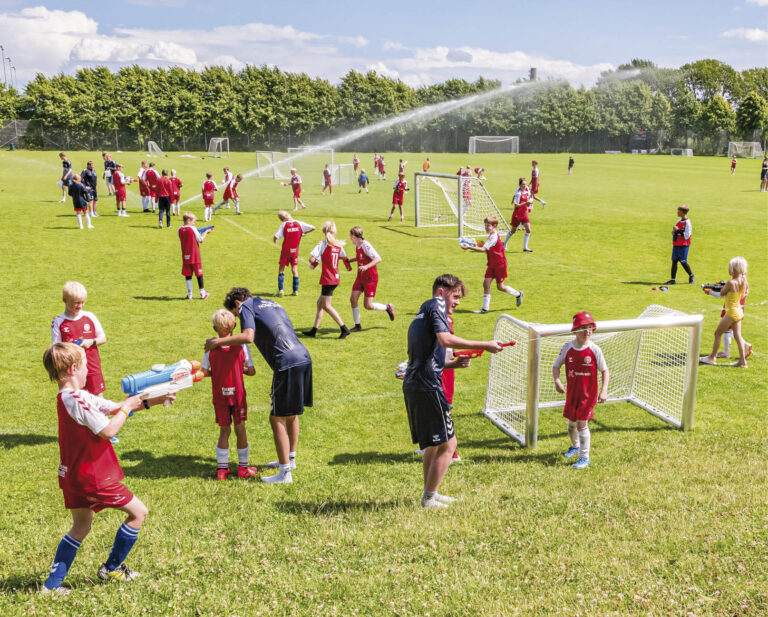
90, 180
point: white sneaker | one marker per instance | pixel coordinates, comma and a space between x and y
280, 478
276, 464
62, 200
91, 227
57, 591
432, 504
445, 498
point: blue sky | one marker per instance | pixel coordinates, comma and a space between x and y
418, 42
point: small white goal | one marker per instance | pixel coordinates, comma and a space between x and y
494, 144
343, 174
681, 152
745, 149
153, 149
218, 147
271, 164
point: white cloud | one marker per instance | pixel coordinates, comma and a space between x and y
753, 35
759, 2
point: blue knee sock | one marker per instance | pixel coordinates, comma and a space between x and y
65, 555
125, 538
295, 284
280, 279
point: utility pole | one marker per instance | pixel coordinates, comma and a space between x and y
9, 67
2, 56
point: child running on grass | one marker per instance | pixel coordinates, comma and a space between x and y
295, 184
583, 360
225, 366
291, 232
327, 254
367, 278
327, 181
496, 269
230, 192
362, 181
191, 239
522, 203
535, 183
89, 474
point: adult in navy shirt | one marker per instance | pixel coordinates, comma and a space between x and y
110, 167
266, 324
429, 414
66, 175
90, 180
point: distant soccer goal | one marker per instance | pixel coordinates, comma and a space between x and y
153, 149
343, 174
745, 149
218, 147
681, 152
653, 363
270, 164
494, 144
460, 202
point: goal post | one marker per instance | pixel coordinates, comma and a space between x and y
745, 149
653, 362
444, 200
218, 146
153, 149
494, 144
681, 152
342, 174
270, 164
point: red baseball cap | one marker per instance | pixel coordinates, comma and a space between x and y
583, 319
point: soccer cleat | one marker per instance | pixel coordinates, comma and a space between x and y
691, 279
570, 452
357, 328
246, 472
222, 474
345, 332
444, 498
670, 282
749, 351
57, 591
706, 360
114, 440
205, 295
120, 573
311, 333
189, 296
62, 200
432, 504
91, 227
582, 463
527, 250
519, 299
280, 478
280, 293
159, 225
391, 311
389, 219
722, 355
484, 311
295, 293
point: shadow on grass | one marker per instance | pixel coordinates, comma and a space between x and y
642, 283
160, 298
399, 231
168, 466
70, 228
339, 506
371, 458
477, 311
14, 440
301, 333
21, 583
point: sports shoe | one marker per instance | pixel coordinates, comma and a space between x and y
222, 474
311, 333
432, 504
445, 498
57, 591
276, 464
294, 293
280, 293
279, 478
706, 360
91, 227
484, 310
527, 250
114, 440
246, 472
205, 295
749, 351
357, 328
691, 279
189, 296
670, 282
345, 332
62, 200
581, 463
543, 203
572, 451
722, 355
120, 573
389, 219
391, 312
519, 299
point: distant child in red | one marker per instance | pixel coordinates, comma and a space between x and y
143, 187
151, 177
225, 366
89, 474
295, 184
479, 171
228, 178
190, 239
291, 233
175, 193
535, 183
164, 190
681, 243
367, 278
401, 166
522, 204
733, 165
355, 163
398, 192
496, 269
327, 180
230, 192
382, 169
327, 254
583, 360
119, 181
376, 160
208, 189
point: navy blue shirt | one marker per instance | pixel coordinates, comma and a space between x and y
77, 193
274, 336
66, 170
89, 178
362, 179
110, 165
426, 358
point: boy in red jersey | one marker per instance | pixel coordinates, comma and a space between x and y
175, 193
382, 169
143, 187
583, 360
367, 278
291, 232
327, 254
376, 160
355, 163
327, 181
295, 183
681, 243
398, 191
230, 191
496, 269
733, 165
151, 177
535, 183
164, 190
479, 171
401, 166
225, 366
119, 181
522, 203
190, 239
208, 189
228, 178
89, 474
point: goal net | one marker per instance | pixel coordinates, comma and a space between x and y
218, 147
271, 164
153, 149
494, 144
461, 202
343, 174
745, 149
653, 363
681, 152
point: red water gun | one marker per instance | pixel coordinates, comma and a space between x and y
476, 353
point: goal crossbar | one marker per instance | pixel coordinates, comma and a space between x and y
501, 144
745, 149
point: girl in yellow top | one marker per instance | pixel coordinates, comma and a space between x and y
732, 291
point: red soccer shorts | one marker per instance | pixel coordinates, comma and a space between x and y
79, 209
207, 202
113, 496
582, 412
227, 195
120, 194
519, 216
397, 200
499, 273
289, 259
94, 383
534, 187
192, 269
143, 191
227, 414
297, 192
367, 288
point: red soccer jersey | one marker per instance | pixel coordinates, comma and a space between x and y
87, 462
208, 189
328, 255
164, 187
291, 232
494, 251
581, 372
226, 366
685, 226
399, 189
85, 326
190, 245
118, 179
151, 178
233, 188
175, 187
365, 254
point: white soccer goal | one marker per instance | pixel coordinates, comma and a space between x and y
270, 164
494, 144
153, 149
343, 174
745, 149
681, 151
461, 202
653, 363
218, 147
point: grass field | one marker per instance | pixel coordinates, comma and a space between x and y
662, 523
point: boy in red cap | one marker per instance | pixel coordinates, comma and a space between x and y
583, 360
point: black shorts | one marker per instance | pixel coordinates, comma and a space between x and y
291, 390
91, 195
429, 417
327, 290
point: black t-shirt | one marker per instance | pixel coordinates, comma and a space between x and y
274, 336
89, 178
66, 170
77, 193
426, 358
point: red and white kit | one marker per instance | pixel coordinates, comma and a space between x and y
523, 201
85, 326
226, 366
118, 181
534, 180
398, 192
582, 367
683, 239
175, 188
230, 191
328, 255
143, 186
496, 258
327, 179
367, 281
151, 177
291, 232
208, 189
190, 251
295, 183
356, 163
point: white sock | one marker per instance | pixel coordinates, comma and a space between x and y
509, 235
189, 286
222, 458
378, 306
727, 338
88, 219
207, 213
573, 433
487, 302
80, 220
526, 235
242, 456
237, 206
356, 315
584, 440
511, 290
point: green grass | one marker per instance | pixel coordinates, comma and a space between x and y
663, 523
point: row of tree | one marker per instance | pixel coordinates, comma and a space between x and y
264, 108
